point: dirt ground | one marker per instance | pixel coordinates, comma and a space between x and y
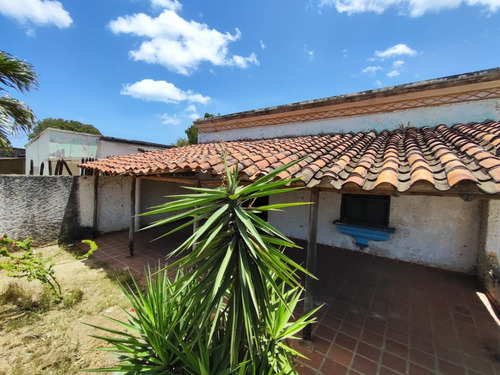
54, 338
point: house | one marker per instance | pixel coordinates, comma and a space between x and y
12, 161
410, 172
53, 145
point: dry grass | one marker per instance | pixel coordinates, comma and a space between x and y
40, 337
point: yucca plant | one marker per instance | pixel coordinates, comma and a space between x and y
158, 337
237, 290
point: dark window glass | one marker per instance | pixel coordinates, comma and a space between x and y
370, 210
260, 201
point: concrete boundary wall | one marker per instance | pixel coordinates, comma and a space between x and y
53, 209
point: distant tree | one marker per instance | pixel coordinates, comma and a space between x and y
15, 116
192, 135
181, 142
59, 123
192, 131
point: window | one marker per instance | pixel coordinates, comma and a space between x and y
365, 210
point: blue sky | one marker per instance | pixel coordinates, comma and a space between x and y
145, 69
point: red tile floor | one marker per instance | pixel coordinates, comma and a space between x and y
379, 316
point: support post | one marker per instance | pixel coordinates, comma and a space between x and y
197, 184
311, 258
131, 229
138, 185
96, 202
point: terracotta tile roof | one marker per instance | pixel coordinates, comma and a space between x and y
440, 157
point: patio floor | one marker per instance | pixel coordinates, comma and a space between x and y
379, 316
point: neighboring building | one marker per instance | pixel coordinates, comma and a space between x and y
410, 172
53, 145
12, 161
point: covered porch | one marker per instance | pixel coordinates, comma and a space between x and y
380, 316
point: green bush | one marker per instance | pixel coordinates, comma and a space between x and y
29, 264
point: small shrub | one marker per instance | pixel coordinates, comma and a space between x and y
26, 299
18, 296
29, 265
72, 297
88, 254
46, 299
80, 251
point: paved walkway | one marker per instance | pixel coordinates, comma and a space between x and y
380, 316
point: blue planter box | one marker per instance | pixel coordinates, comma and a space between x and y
362, 235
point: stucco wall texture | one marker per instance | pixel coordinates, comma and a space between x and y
57, 208
449, 114
435, 231
34, 206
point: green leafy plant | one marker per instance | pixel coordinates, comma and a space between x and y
234, 299
29, 264
158, 336
88, 254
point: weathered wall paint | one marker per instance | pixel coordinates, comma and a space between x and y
60, 208
488, 263
114, 203
431, 116
71, 146
435, 231
116, 148
44, 208
56, 144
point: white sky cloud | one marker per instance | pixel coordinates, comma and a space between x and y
310, 53
415, 8
161, 91
371, 69
398, 67
177, 44
398, 64
36, 12
397, 50
170, 120
167, 4
191, 108
192, 112
262, 45
243, 62
188, 116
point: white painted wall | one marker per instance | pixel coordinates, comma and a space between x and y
56, 144
450, 114
37, 150
492, 235
108, 148
70, 145
114, 203
435, 231
86, 200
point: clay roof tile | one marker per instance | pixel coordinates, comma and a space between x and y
442, 156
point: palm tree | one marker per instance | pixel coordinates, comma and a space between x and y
15, 116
